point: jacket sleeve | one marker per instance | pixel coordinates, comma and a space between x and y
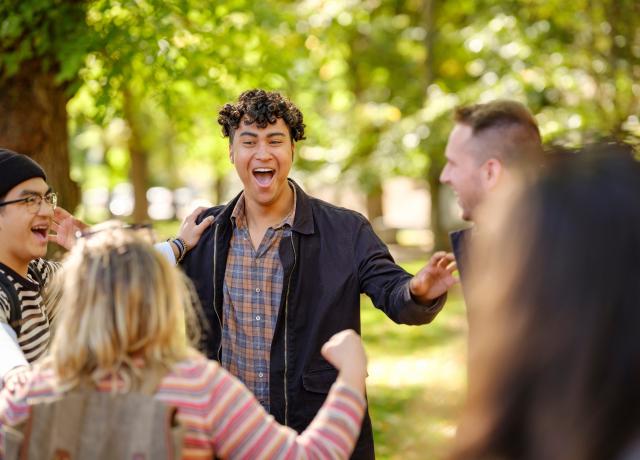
386, 283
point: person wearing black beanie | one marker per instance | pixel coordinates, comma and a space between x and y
27, 206
28, 211
16, 168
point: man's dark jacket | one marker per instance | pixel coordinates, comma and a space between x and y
332, 256
460, 240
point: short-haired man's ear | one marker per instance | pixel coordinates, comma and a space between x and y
492, 172
293, 149
231, 153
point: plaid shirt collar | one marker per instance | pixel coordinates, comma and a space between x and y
239, 218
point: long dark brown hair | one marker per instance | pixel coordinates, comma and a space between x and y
556, 372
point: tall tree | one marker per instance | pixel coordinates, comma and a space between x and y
42, 44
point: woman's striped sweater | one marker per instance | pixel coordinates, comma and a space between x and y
221, 416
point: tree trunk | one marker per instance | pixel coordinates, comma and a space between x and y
374, 202
34, 122
440, 237
138, 154
375, 213
220, 189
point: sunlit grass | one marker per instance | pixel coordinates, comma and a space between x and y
416, 380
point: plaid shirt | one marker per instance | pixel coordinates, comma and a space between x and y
253, 284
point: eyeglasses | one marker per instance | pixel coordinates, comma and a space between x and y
146, 229
34, 202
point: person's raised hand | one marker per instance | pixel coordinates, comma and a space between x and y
15, 378
435, 278
190, 231
65, 228
345, 352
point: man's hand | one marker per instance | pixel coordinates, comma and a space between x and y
191, 232
435, 278
65, 227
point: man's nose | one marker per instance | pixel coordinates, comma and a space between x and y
46, 209
262, 151
444, 175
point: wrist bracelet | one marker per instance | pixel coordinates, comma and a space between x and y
182, 246
179, 246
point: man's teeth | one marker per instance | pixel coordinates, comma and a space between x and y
263, 170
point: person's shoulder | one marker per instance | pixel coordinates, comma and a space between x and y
212, 211
194, 367
42, 270
332, 210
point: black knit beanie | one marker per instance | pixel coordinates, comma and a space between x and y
16, 168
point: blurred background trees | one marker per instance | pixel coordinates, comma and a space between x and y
118, 99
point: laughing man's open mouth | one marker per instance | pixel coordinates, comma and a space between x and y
40, 231
263, 175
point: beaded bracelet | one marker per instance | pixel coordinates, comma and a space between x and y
182, 246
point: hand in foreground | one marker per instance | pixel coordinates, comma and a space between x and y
191, 232
435, 278
65, 227
345, 352
16, 378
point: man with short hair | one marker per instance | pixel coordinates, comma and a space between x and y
279, 272
488, 145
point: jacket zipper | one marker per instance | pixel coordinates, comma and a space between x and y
215, 258
286, 322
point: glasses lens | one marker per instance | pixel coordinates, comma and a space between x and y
52, 199
33, 203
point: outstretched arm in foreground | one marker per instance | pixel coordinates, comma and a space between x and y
249, 432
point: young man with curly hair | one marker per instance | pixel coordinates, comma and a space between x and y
279, 272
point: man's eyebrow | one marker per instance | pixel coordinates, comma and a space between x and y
276, 134
247, 133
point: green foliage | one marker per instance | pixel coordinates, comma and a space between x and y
376, 79
53, 31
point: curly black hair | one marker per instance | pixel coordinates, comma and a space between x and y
261, 107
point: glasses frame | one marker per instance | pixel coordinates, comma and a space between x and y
53, 196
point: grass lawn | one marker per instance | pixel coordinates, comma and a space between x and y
416, 379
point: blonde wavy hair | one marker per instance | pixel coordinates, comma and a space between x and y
124, 311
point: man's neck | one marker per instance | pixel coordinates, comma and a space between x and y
272, 214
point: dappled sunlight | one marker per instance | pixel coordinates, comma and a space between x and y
430, 370
417, 378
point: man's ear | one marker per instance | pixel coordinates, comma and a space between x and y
293, 150
230, 152
493, 170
